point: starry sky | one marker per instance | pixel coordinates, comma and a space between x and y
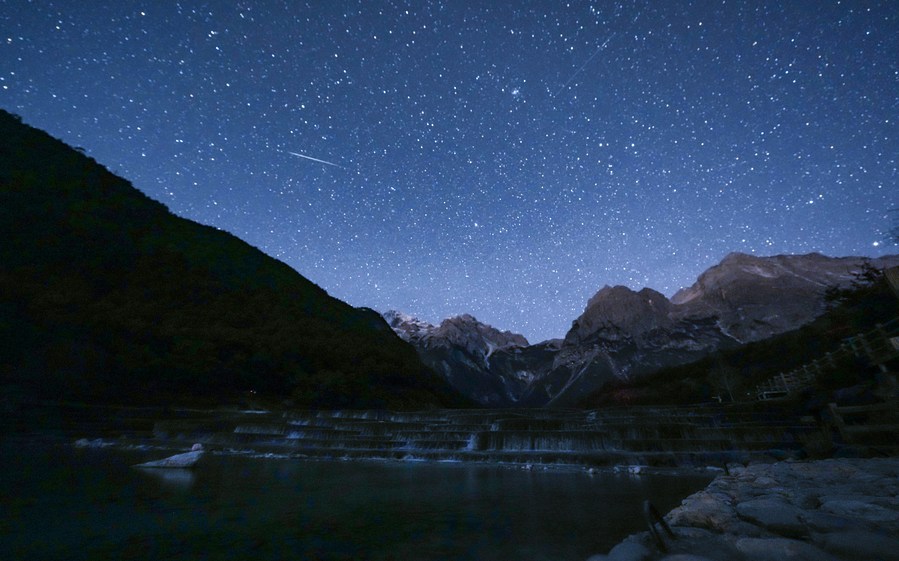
504, 159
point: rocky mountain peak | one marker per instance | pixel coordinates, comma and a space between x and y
409, 328
464, 331
756, 297
624, 333
618, 310
472, 334
813, 270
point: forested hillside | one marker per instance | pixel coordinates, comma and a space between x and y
107, 296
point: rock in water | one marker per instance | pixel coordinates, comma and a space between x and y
185, 460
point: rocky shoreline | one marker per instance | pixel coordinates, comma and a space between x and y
836, 509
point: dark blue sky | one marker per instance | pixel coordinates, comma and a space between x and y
501, 159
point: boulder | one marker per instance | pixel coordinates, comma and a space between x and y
859, 508
861, 544
629, 551
773, 515
824, 522
703, 510
780, 549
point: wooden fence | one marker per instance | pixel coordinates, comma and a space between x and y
868, 424
877, 347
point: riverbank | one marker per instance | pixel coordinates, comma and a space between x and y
837, 509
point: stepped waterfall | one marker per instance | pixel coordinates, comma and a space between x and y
662, 437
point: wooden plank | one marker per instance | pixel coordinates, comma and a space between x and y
861, 429
838, 419
886, 406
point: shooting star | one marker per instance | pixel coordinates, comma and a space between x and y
578, 71
314, 159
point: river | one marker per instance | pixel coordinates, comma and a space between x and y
60, 501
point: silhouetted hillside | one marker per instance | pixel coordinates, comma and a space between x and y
105, 295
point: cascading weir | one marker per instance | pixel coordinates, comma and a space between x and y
669, 437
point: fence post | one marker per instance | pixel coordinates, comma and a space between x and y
872, 356
652, 517
838, 421
810, 373
830, 361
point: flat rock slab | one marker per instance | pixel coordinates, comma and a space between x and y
861, 545
775, 515
860, 509
182, 461
829, 510
625, 551
781, 549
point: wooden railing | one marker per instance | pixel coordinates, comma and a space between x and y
862, 423
877, 347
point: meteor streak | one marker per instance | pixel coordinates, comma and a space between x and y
314, 159
596, 52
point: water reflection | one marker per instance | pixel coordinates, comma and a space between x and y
175, 478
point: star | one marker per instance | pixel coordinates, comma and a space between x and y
508, 160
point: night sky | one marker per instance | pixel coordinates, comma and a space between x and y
504, 159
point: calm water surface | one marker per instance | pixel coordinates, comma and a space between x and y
62, 502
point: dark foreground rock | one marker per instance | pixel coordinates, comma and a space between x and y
840, 509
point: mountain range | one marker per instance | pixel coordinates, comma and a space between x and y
105, 296
623, 334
